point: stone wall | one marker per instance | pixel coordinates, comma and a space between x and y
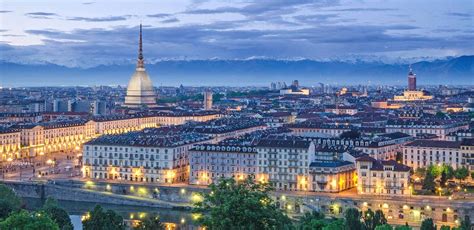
72, 193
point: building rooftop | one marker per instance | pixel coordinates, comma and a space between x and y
330, 164
224, 125
378, 165
284, 143
434, 144
225, 148
468, 142
8, 130
152, 137
318, 125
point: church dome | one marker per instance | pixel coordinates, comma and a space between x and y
140, 90
140, 83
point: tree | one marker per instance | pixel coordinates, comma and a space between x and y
5, 209
461, 173
443, 180
448, 169
428, 224
428, 182
312, 221
372, 220
403, 227
9, 201
59, 215
472, 175
100, 220
29, 221
435, 170
384, 227
420, 172
369, 219
445, 227
379, 218
245, 204
465, 224
152, 222
352, 217
338, 224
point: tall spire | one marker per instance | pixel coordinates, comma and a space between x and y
140, 63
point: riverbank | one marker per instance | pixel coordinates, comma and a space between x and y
72, 191
398, 209
76, 210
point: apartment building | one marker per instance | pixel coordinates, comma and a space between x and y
440, 128
151, 155
377, 177
284, 163
9, 143
210, 162
332, 176
467, 149
423, 153
318, 129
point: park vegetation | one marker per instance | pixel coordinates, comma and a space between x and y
245, 204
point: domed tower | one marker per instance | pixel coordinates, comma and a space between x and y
140, 92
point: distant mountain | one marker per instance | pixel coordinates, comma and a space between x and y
459, 70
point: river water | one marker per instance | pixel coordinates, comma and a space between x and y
174, 219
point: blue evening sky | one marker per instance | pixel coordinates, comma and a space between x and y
94, 32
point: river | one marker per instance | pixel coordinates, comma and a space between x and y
174, 219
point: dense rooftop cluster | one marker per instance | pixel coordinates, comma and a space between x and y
223, 125
150, 138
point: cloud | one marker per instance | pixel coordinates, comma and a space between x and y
278, 29
315, 18
459, 14
100, 19
5, 11
362, 9
219, 10
91, 47
256, 8
158, 15
462, 16
170, 20
13, 35
41, 15
88, 3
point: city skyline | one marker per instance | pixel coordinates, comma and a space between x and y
237, 114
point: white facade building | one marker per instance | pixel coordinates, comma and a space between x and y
285, 163
210, 162
148, 156
377, 177
423, 153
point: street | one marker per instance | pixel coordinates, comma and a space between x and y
59, 165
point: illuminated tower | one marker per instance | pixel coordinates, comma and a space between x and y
207, 100
140, 92
411, 80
